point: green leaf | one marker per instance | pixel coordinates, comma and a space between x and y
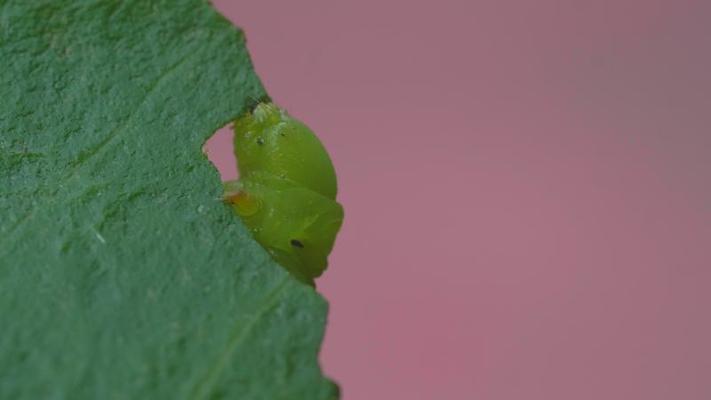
122, 274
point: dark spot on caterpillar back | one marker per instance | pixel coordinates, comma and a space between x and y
297, 243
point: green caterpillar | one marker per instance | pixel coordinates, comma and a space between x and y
286, 194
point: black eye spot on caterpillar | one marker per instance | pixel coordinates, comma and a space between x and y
296, 243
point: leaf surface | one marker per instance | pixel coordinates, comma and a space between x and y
122, 274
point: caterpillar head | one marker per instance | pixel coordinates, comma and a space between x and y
304, 248
297, 226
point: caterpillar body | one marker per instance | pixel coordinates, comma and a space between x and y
286, 193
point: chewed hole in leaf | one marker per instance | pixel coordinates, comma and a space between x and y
219, 151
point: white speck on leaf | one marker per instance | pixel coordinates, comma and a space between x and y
98, 236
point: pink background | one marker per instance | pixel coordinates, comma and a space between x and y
527, 187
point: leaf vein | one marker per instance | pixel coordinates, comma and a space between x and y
240, 331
